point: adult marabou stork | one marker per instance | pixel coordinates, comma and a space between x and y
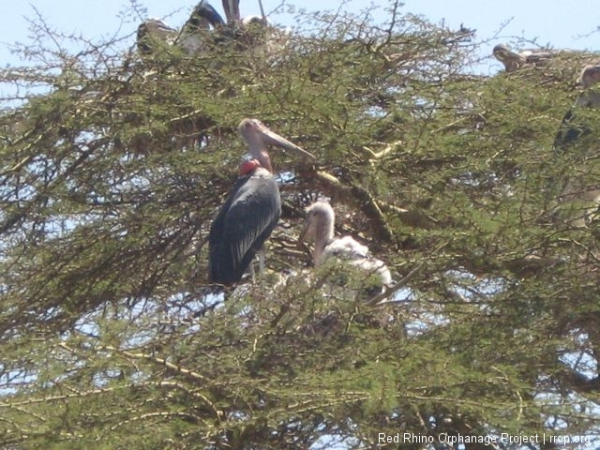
247, 32
193, 36
569, 131
513, 61
250, 213
320, 227
576, 144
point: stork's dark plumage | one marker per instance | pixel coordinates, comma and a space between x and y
203, 29
203, 17
193, 36
247, 33
570, 131
252, 209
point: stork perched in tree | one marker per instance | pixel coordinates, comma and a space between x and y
250, 31
252, 210
193, 37
569, 131
514, 61
577, 140
153, 33
320, 227
205, 28
194, 34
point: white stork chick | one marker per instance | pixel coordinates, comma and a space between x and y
320, 225
258, 21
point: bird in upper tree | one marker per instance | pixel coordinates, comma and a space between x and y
576, 144
153, 33
516, 60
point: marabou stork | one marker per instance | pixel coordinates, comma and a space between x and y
250, 213
320, 227
247, 32
513, 61
569, 132
153, 33
250, 31
192, 37
204, 27
576, 140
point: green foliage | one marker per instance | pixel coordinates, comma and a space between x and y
113, 166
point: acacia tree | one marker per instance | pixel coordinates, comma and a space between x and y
113, 166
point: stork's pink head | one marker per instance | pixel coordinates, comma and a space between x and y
258, 137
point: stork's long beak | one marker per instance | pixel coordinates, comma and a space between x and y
271, 138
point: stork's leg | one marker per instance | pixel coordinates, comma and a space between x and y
261, 267
252, 272
261, 262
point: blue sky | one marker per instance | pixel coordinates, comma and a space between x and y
559, 23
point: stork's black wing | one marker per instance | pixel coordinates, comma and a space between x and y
568, 132
203, 10
243, 224
142, 39
578, 127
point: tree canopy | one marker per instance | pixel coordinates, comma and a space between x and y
114, 164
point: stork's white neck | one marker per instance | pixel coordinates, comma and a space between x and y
323, 231
258, 150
